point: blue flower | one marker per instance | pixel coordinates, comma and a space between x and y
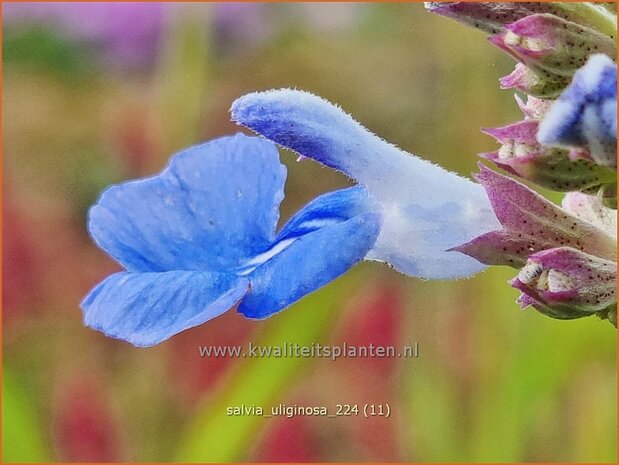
200, 237
585, 115
425, 209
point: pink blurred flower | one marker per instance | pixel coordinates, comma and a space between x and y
20, 261
85, 429
195, 374
130, 33
373, 316
127, 32
290, 440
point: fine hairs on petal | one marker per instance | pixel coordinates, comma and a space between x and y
298, 120
425, 208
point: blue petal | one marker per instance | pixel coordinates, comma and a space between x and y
327, 209
214, 206
415, 238
426, 209
148, 308
308, 263
317, 129
585, 115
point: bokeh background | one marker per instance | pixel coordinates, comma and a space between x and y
98, 93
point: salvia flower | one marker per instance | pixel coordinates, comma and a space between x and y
425, 210
200, 237
569, 144
585, 115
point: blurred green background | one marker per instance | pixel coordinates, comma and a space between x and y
97, 93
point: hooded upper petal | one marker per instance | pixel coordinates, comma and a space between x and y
425, 209
148, 308
214, 206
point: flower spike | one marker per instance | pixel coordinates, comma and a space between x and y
567, 142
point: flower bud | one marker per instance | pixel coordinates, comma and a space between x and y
489, 17
492, 17
552, 168
568, 283
533, 108
551, 46
531, 83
